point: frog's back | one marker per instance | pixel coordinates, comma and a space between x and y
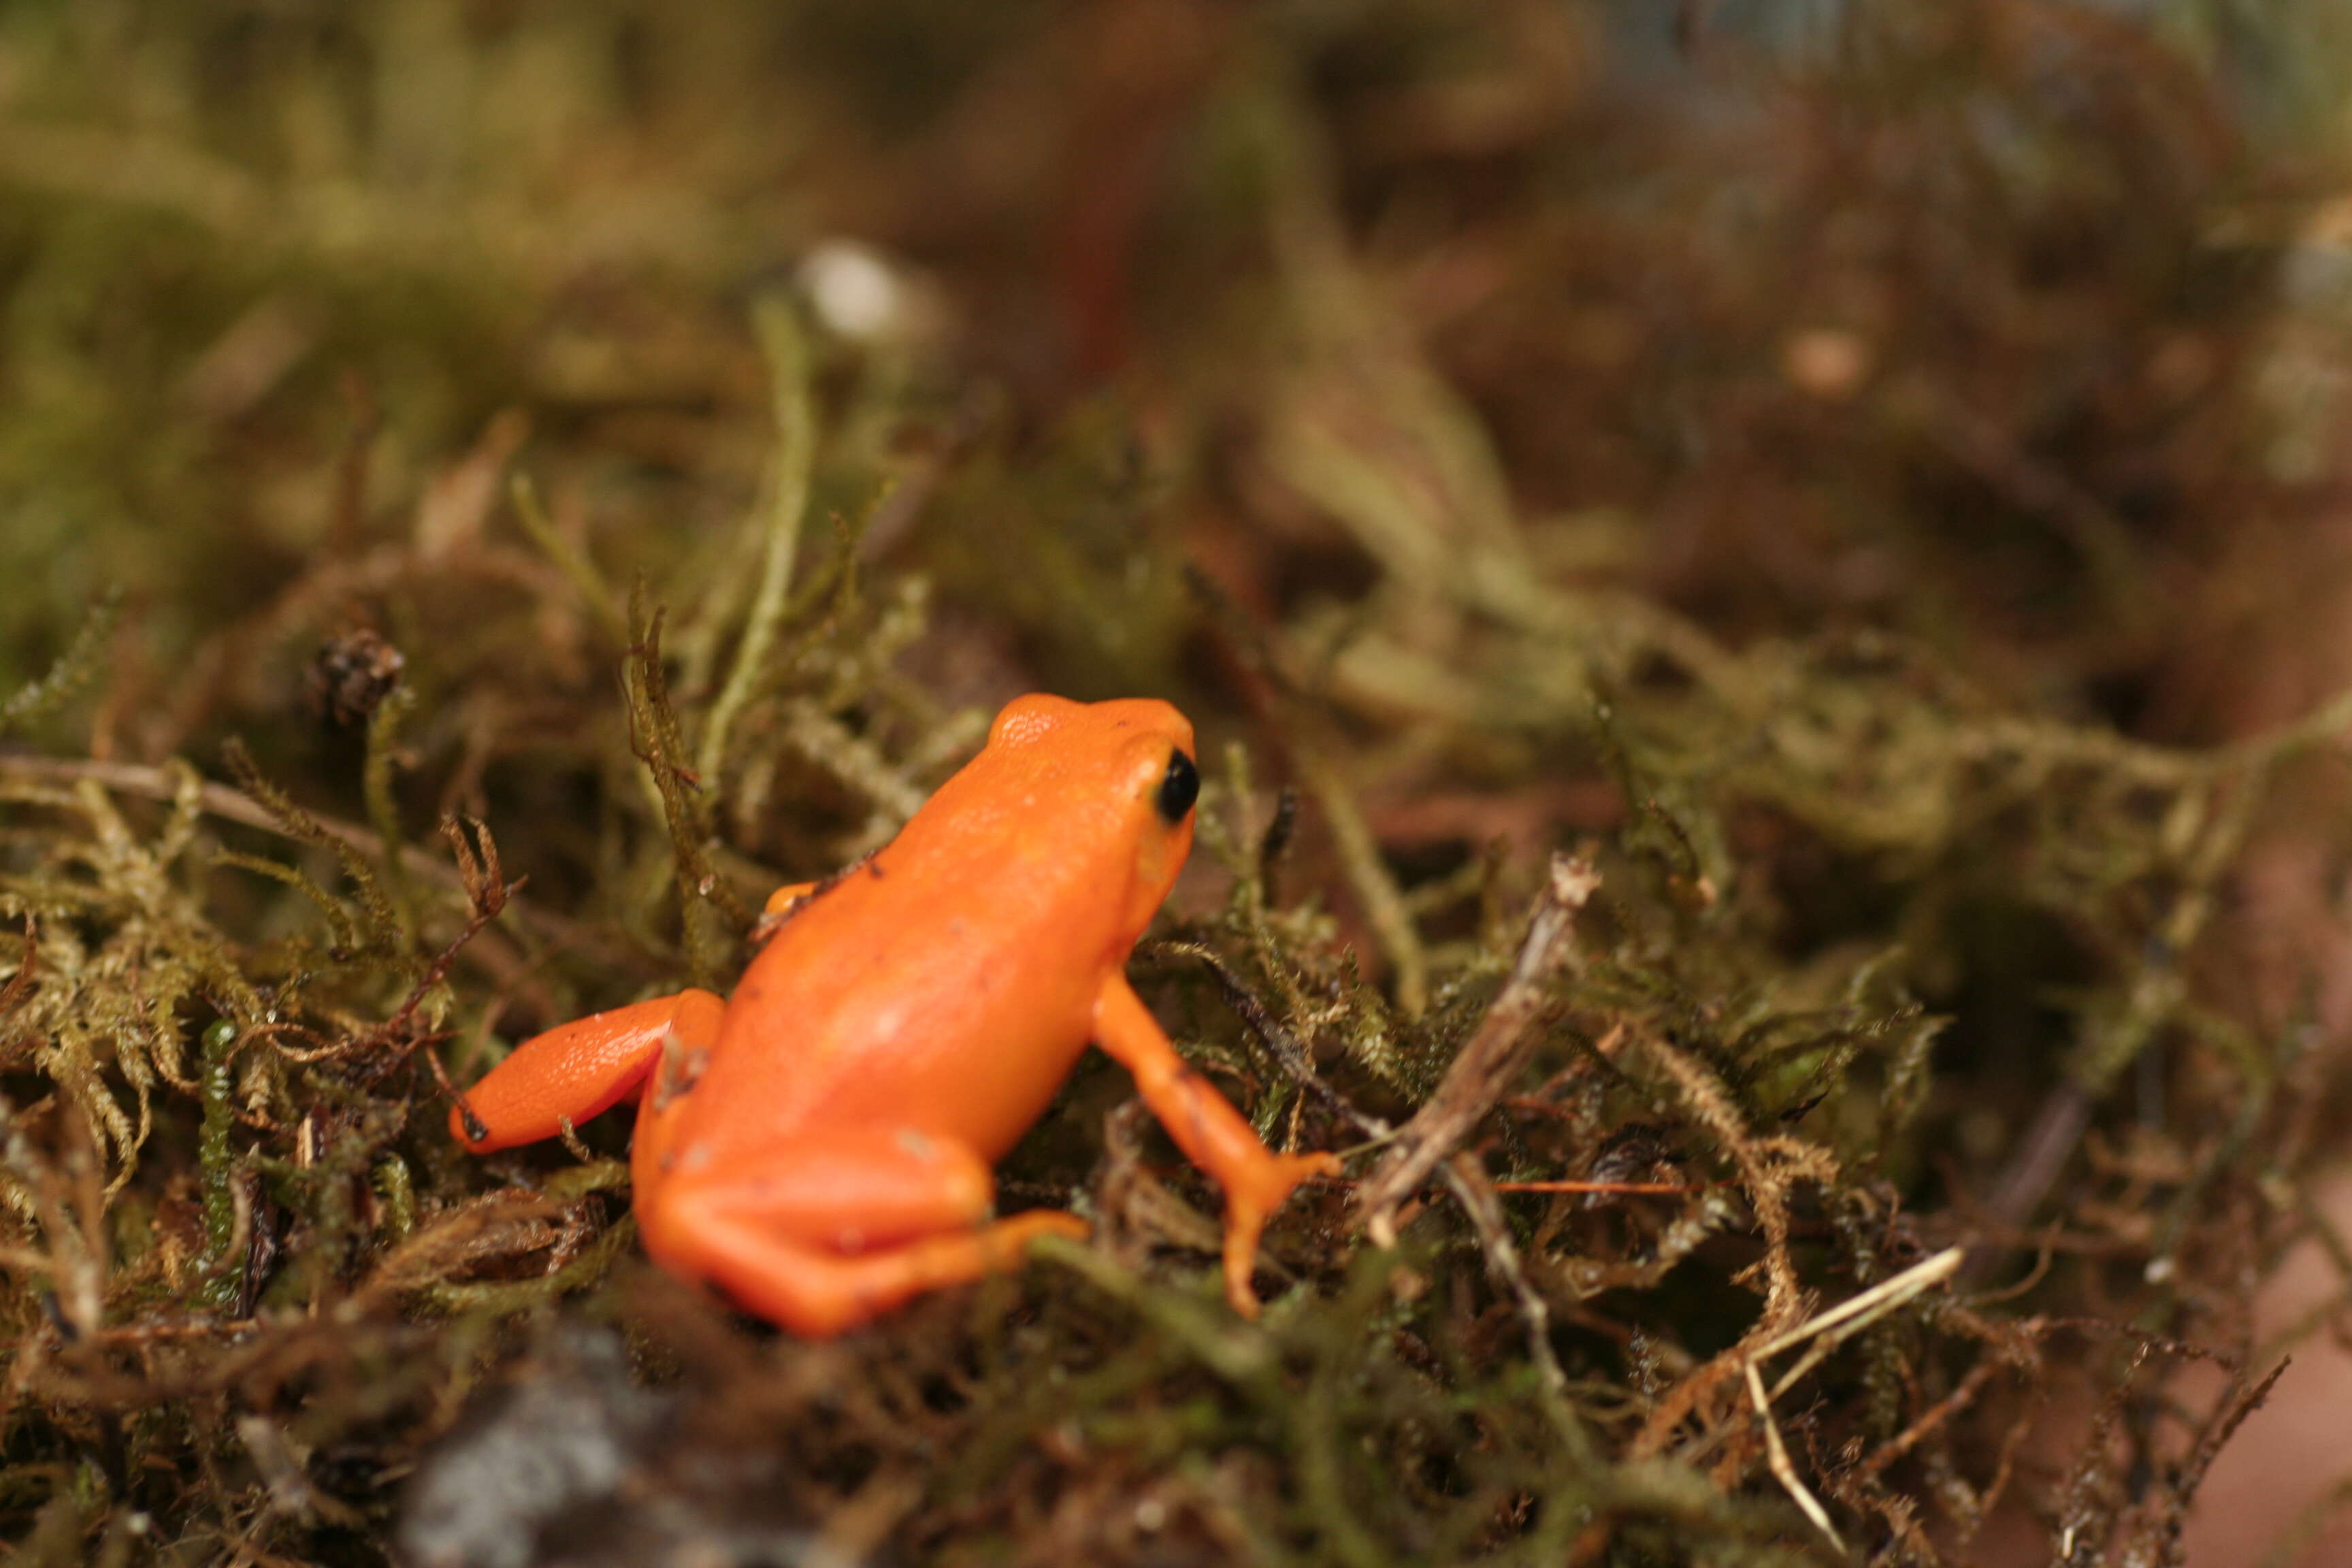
948, 984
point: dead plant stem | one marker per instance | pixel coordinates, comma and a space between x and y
1480, 1074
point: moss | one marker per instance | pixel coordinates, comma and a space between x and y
1721, 799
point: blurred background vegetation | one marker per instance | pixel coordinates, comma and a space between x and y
1867, 479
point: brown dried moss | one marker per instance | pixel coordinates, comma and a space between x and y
1680, 562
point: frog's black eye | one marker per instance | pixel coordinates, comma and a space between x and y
1179, 788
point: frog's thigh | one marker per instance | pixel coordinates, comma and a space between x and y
685, 1055
825, 1233
846, 1190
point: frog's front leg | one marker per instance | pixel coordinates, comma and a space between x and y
575, 1070
1213, 1134
830, 1228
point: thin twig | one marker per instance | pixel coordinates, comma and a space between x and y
1468, 1179
1872, 1304
1828, 1331
1776, 1456
1608, 1189
1482, 1072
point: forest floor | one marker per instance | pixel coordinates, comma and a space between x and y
1764, 604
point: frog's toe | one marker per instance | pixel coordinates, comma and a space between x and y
1250, 1202
1268, 1184
1052, 1222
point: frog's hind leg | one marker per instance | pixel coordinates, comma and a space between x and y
575, 1070
818, 1294
825, 1234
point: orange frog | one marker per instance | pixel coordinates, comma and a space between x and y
818, 1147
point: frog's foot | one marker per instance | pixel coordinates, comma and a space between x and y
818, 1294
1213, 1134
829, 1232
1254, 1190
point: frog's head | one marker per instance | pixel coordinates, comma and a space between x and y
1117, 778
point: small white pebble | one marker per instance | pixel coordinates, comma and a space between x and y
852, 290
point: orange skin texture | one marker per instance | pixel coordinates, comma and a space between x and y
818, 1146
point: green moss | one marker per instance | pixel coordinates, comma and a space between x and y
1810, 534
